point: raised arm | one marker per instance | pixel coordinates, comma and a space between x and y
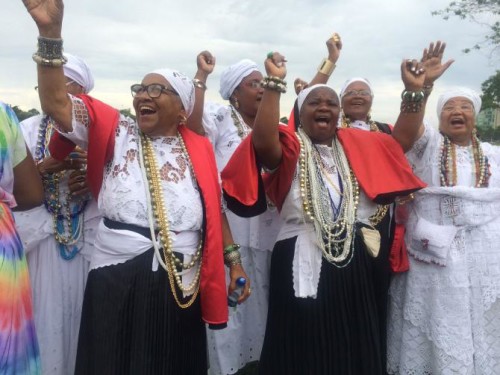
409, 126
48, 16
327, 66
265, 136
206, 63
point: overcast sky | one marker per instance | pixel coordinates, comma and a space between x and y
123, 40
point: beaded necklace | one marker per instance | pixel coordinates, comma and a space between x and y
345, 122
448, 160
158, 210
335, 233
68, 217
241, 126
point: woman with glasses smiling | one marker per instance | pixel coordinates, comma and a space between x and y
445, 311
157, 273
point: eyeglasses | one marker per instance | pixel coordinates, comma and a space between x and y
461, 107
255, 84
69, 83
357, 93
154, 90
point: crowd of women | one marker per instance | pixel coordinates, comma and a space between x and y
367, 248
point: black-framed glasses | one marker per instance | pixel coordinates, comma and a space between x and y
154, 90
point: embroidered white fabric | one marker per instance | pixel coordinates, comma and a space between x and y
123, 196
444, 313
307, 257
241, 342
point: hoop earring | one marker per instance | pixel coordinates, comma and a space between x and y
183, 120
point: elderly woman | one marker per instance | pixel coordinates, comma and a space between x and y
59, 235
323, 315
21, 188
445, 312
226, 126
157, 272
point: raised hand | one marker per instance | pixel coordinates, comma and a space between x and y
275, 65
432, 62
334, 45
205, 62
412, 74
48, 16
299, 84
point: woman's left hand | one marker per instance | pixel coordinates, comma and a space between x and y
206, 63
432, 62
236, 271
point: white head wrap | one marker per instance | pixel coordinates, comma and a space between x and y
182, 84
304, 93
77, 70
355, 79
232, 76
459, 92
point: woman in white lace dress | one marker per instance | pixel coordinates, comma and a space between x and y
445, 311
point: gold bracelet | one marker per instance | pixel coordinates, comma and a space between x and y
326, 67
199, 84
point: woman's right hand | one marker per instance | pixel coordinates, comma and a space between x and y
412, 74
334, 45
276, 65
48, 16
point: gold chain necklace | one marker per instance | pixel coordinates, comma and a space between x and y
159, 211
346, 123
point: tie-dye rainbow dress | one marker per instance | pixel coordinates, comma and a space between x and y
19, 352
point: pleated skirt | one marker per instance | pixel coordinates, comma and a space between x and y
131, 324
341, 331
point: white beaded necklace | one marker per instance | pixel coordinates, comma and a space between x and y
335, 234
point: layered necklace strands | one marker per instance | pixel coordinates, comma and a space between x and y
335, 232
158, 209
241, 126
68, 217
448, 163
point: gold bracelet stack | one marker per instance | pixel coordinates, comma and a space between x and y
274, 83
326, 67
50, 52
411, 101
232, 255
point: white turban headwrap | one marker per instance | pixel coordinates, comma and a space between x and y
355, 79
182, 84
459, 92
304, 93
232, 76
77, 70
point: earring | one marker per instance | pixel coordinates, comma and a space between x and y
236, 103
183, 120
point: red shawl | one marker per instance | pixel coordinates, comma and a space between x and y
102, 125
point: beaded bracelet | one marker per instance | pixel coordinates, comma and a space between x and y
427, 89
50, 52
274, 83
232, 258
232, 247
412, 101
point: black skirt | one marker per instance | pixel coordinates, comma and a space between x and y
131, 324
341, 331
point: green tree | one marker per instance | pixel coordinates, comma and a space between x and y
491, 91
23, 115
483, 12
